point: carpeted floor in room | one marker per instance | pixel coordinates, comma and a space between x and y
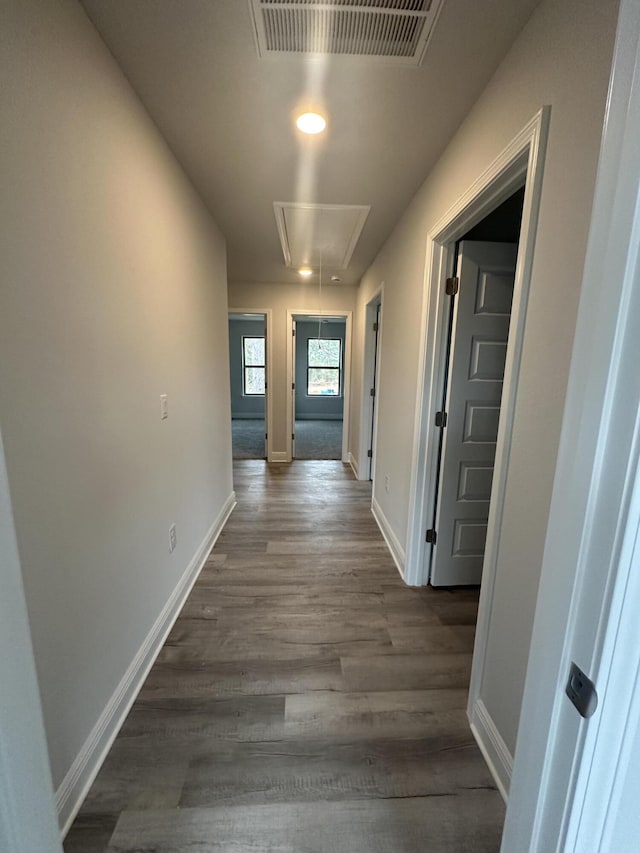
314, 439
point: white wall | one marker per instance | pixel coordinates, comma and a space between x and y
113, 292
281, 298
561, 58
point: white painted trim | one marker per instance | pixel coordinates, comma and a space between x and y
279, 456
80, 776
346, 392
520, 162
569, 774
366, 401
395, 548
28, 820
279, 207
354, 465
492, 746
268, 321
523, 157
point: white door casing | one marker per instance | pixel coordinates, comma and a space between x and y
573, 787
479, 335
291, 372
293, 389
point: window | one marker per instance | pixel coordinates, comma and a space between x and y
324, 360
253, 366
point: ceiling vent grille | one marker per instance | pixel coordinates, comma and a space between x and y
385, 30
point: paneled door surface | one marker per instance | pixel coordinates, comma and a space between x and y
478, 348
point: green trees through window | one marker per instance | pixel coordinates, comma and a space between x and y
253, 366
324, 363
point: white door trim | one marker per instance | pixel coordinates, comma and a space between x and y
28, 819
569, 774
268, 409
306, 312
370, 363
522, 159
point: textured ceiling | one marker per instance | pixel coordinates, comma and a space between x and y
228, 115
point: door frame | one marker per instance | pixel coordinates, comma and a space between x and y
371, 366
268, 402
570, 775
521, 162
28, 818
346, 377
443, 436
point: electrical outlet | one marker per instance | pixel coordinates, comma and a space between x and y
164, 406
173, 541
387, 483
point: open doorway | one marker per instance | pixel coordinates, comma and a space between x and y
248, 379
318, 371
364, 466
480, 298
318, 392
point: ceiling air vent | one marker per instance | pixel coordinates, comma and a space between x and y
394, 31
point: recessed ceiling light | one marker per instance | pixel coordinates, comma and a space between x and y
311, 123
336, 278
305, 272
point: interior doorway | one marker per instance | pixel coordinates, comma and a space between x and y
365, 467
480, 298
318, 370
318, 387
248, 369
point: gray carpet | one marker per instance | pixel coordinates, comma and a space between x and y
247, 438
314, 439
318, 439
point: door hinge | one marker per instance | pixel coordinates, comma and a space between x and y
376, 327
431, 536
293, 437
293, 386
452, 285
372, 393
265, 386
370, 453
293, 332
441, 419
266, 436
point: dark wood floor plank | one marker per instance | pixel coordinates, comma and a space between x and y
333, 769
413, 825
217, 679
306, 699
405, 672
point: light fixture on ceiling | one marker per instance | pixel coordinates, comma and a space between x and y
311, 123
305, 272
336, 278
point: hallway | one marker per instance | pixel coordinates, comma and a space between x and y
306, 701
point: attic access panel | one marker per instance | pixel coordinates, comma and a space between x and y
311, 234
392, 31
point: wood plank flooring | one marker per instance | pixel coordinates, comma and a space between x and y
306, 700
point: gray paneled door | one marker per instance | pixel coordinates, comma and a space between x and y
479, 334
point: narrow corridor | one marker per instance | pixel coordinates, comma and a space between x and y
306, 700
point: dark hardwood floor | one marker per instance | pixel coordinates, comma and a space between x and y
306, 701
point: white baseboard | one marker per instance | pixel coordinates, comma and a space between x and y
351, 459
279, 456
80, 776
499, 759
395, 548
